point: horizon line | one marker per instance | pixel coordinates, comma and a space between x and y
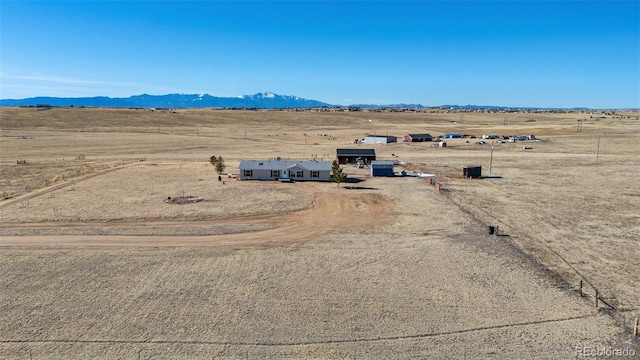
401, 104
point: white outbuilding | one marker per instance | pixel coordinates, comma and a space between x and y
379, 139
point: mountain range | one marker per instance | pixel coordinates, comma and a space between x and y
263, 100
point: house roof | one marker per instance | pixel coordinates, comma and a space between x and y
380, 136
356, 152
284, 165
382, 163
420, 135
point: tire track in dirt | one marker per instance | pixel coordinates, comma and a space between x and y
303, 343
331, 211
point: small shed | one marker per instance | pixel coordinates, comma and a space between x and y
382, 168
472, 171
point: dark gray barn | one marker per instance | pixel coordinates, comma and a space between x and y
350, 156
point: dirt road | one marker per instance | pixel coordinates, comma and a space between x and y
331, 211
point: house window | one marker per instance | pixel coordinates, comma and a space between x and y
315, 174
297, 174
275, 173
248, 173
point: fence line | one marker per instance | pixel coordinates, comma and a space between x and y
598, 297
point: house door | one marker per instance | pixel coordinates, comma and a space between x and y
285, 174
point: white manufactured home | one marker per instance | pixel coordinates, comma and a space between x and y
285, 170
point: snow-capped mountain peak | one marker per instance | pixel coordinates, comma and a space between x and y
267, 100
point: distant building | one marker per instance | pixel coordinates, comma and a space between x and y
379, 139
285, 169
351, 156
453, 135
417, 137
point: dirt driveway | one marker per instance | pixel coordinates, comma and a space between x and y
332, 209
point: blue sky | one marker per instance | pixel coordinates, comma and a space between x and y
510, 53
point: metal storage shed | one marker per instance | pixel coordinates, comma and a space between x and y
472, 171
382, 168
379, 139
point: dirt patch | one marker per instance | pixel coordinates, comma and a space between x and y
189, 199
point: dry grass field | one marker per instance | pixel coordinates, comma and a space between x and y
95, 264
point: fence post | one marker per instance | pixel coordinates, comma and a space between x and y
635, 328
581, 288
596, 297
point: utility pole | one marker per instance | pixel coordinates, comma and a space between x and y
491, 158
